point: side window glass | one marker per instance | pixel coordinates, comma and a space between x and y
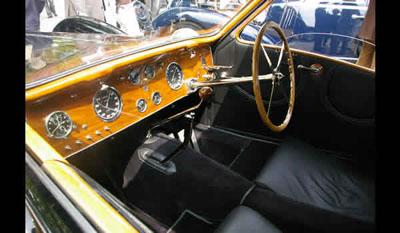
326, 27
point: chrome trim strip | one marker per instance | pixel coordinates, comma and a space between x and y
62, 199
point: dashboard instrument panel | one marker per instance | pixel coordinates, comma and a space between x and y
87, 112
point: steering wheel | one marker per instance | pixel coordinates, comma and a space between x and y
276, 77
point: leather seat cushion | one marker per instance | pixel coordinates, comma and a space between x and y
243, 219
303, 173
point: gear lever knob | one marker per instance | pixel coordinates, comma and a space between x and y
205, 92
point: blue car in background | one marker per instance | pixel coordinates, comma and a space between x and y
327, 27
202, 16
189, 17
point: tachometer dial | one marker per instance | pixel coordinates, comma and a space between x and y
174, 76
58, 125
107, 103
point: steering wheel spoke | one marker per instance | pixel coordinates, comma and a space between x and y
270, 97
268, 59
280, 57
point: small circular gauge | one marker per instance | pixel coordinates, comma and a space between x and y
134, 77
107, 103
156, 98
141, 105
58, 125
149, 71
174, 76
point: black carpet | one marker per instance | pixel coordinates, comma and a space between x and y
191, 181
244, 155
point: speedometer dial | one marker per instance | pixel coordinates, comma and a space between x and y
107, 103
174, 76
58, 125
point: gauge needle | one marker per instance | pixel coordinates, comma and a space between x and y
106, 106
109, 94
173, 76
58, 126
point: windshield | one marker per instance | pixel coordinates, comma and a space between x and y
67, 37
330, 27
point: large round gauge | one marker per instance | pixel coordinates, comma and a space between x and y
58, 125
174, 76
107, 103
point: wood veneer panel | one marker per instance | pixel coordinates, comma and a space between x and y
76, 100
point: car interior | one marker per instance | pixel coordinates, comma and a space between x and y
207, 161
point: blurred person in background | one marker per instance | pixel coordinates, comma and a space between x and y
119, 13
127, 19
367, 33
92, 8
32, 14
50, 9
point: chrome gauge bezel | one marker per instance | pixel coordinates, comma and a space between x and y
156, 98
172, 85
139, 107
68, 121
119, 99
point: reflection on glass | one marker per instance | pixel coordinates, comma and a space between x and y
326, 27
83, 39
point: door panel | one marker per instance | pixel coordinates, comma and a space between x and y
335, 111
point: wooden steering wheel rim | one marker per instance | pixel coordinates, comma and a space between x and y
256, 82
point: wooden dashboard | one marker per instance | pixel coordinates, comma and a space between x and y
78, 101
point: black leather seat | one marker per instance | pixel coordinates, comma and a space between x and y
303, 173
243, 219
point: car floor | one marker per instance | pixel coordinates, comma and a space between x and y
201, 184
196, 186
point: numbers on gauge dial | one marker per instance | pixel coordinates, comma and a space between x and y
107, 103
174, 76
58, 125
